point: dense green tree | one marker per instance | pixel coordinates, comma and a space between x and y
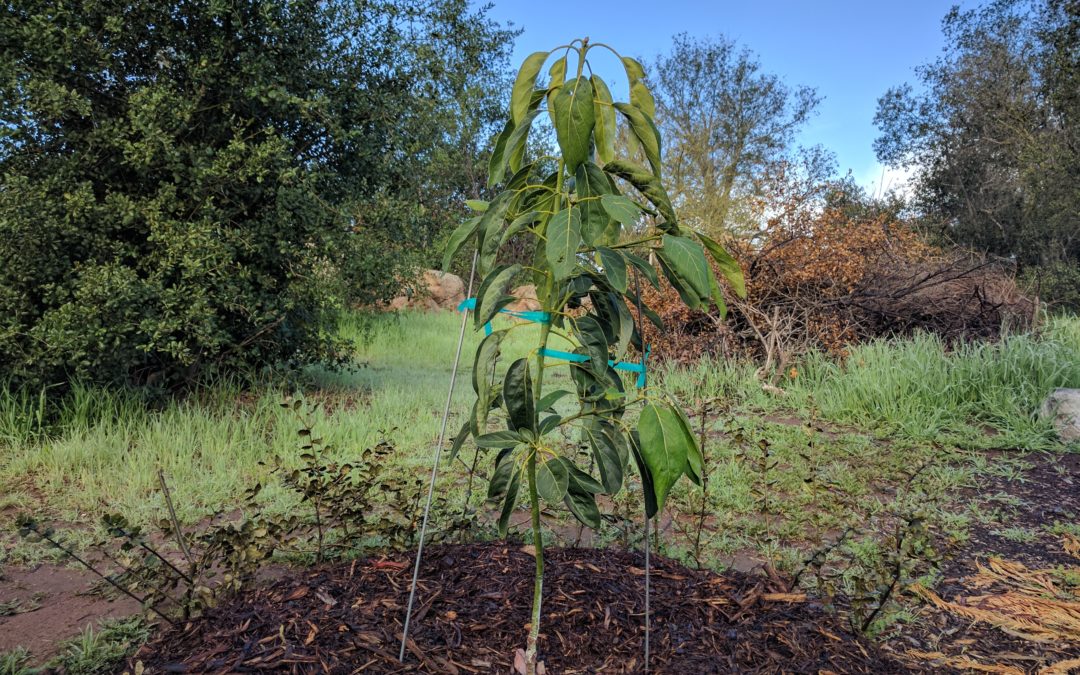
728, 125
993, 133
194, 185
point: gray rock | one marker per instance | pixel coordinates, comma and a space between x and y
1062, 407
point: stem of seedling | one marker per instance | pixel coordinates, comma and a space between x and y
534, 506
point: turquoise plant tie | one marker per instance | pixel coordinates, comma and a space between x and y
544, 317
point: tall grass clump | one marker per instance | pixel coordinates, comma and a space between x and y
982, 394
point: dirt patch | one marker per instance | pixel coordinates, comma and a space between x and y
473, 606
52, 603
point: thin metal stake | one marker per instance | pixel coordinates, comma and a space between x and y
435, 466
647, 615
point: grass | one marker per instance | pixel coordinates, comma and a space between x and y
888, 406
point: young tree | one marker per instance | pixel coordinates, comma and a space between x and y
575, 219
994, 131
727, 124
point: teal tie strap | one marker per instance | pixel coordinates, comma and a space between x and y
544, 317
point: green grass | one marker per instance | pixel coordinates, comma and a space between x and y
885, 407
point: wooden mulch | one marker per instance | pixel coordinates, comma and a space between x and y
472, 611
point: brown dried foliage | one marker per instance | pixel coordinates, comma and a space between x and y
832, 280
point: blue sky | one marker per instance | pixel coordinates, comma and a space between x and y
850, 51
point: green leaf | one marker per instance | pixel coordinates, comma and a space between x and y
604, 112
609, 450
492, 294
688, 295
563, 241
648, 488
551, 479
490, 224
574, 119
643, 267
556, 79
502, 476
581, 479
664, 447
648, 185
515, 144
614, 265
551, 398
478, 205
642, 99
695, 463
518, 396
458, 238
520, 223
500, 439
524, 84
459, 441
646, 133
591, 184
728, 265
497, 161
509, 502
622, 209
486, 354
548, 424
687, 259
590, 335
583, 505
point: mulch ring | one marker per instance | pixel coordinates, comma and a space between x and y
473, 606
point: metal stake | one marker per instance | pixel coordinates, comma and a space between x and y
647, 614
435, 466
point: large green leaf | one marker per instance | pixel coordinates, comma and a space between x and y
591, 184
639, 91
590, 335
509, 502
688, 295
643, 266
492, 294
728, 265
459, 441
500, 439
574, 119
609, 451
491, 223
646, 133
556, 79
695, 462
518, 396
563, 241
622, 209
515, 144
524, 84
458, 238
648, 185
647, 487
497, 161
551, 398
551, 479
604, 132
582, 504
485, 357
687, 258
665, 447
505, 469
614, 265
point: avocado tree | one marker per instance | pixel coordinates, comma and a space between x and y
595, 226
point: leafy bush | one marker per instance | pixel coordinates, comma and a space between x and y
197, 187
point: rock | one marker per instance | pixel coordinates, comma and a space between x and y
526, 299
432, 291
447, 290
1062, 407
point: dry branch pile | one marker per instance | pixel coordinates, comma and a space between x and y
835, 280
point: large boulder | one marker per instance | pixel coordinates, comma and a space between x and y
524, 299
1062, 407
433, 290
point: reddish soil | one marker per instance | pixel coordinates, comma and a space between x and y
52, 603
